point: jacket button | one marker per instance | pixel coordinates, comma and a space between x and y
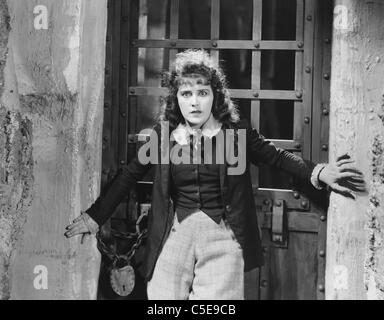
228, 208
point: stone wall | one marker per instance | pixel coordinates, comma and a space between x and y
355, 252
51, 90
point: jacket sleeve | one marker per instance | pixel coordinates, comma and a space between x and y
115, 191
262, 150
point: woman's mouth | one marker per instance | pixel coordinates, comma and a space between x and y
196, 112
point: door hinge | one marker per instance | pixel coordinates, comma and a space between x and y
279, 230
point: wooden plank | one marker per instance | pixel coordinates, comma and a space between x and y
291, 270
265, 274
217, 44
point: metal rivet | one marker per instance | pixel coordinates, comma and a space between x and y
308, 69
309, 18
214, 44
327, 76
304, 204
173, 44
300, 45
307, 120
327, 41
322, 253
299, 94
325, 112
133, 43
264, 283
322, 218
256, 94
297, 145
265, 249
321, 288
124, 66
123, 114
257, 45
296, 195
278, 204
132, 91
122, 162
324, 147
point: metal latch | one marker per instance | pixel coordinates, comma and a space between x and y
279, 223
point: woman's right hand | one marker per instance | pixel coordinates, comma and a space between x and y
83, 225
78, 226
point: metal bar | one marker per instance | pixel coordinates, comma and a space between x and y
235, 93
293, 200
116, 101
297, 221
124, 70
132, 71
215, 26
174, 43
107, 160
174, 29
320, 127
299, 58
309, 37
256, 76
256, 62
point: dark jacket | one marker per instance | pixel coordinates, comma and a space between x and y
236, 190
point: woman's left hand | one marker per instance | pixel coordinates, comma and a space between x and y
343, 177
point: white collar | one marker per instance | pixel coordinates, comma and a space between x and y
183, 131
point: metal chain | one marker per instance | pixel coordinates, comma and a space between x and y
112, 254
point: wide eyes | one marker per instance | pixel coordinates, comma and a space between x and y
200, 93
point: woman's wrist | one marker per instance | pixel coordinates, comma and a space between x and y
91, 224
316, 176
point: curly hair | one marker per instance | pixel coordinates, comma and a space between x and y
191, 63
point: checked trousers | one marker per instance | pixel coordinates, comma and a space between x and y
201, 260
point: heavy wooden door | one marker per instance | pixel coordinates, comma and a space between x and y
276, 54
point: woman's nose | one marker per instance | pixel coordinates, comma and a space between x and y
194, 100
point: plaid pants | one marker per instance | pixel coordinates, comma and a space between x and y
201, 260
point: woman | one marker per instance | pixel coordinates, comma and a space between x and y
203, 232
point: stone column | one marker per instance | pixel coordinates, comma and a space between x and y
52, 55
355, 251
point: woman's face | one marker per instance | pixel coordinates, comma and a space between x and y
195, 99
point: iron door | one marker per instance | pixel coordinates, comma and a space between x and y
276, 54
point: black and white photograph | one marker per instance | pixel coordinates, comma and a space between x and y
219, 151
